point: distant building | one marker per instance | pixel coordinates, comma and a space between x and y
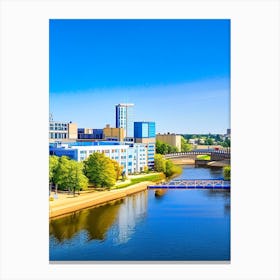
171, 139
124, 118
145, 133
193, 141
90, 133
228, 135
113, 134
62, 131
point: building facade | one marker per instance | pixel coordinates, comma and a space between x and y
113, 134
124, 118
171, 139
133, 157
144, 130
145, 133
90, 133
59, 131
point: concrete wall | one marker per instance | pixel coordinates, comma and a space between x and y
72, 131
114, 132
171, 139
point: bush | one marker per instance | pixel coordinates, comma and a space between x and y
226, 172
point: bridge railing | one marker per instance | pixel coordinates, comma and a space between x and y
195, 183
199, 152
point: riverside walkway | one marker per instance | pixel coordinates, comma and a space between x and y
194, 184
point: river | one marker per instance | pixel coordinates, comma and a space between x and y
181, 225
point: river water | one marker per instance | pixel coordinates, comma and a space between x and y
181, 225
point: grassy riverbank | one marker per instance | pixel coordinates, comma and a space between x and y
156, 177
68, 203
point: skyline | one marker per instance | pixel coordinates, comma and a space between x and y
176, 72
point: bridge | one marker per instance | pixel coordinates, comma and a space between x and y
221, 154
194, 184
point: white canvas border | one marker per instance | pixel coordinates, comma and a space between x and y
24, 137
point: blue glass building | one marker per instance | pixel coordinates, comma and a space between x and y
144, 130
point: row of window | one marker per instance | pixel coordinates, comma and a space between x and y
54, 135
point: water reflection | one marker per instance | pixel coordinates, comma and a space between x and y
125, 214
159, 193
132, 211
96, 221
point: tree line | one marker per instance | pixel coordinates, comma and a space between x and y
98, 170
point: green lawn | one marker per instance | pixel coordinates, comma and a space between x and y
203, 157
152, 178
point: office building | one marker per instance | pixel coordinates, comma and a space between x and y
124, 118
144, 130
171, 139
145, 133
59, 131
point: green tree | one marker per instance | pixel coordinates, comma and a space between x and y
160, 163
169, 168
117, 168
209, 141
226, 143
185, 146
172, 149
161, 148
69, 175
100, 170
53, 165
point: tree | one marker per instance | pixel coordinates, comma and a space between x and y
117, 168
160, 163
161, 148
53, 165
100, 170
169, 168
172, 149
69, 175
185, 146
226, 143
209, 141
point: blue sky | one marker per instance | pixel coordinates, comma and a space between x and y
176, 72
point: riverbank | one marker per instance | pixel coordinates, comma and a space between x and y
66, 204
183, 161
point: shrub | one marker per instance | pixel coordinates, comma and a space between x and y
226, 172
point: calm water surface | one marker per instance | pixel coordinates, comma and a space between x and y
181, 225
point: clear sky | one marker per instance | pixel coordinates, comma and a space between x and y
176, 72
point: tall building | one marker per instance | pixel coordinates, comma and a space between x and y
171, 139
124, 118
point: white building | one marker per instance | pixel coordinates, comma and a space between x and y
124, 118
133, 158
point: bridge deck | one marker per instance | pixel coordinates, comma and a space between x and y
194, 184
